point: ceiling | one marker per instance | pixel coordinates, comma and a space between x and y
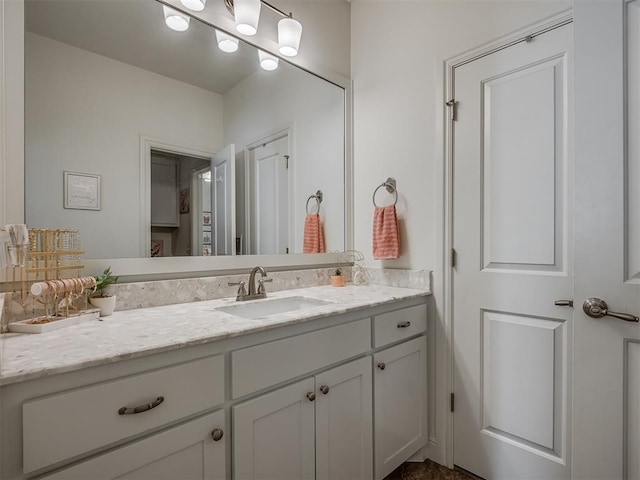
134, 32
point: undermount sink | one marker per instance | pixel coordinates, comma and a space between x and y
271, 306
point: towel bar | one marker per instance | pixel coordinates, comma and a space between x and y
318, 198
390, 185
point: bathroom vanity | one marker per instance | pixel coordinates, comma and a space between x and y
319, 383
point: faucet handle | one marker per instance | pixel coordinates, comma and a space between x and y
261, 283
241, 290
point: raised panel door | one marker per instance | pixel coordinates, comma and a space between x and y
344, 438
188, 452
400, 399
273, 435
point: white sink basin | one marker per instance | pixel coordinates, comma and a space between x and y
253, 309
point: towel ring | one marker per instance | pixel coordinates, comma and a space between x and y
318, 198
390, 185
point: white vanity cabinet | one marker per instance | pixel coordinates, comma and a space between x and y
338, 397
195, 450
319, 427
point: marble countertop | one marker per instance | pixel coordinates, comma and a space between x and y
135, 333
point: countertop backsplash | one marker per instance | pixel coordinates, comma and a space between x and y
170, 292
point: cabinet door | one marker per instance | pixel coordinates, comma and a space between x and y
344, 439
187, 451
165, 210
400, 398
273, 435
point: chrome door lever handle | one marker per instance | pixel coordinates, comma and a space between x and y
596, 308
563, 303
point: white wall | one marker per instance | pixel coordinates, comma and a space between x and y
85, 113
290, 97
397, 52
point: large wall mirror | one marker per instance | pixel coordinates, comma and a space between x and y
190, 150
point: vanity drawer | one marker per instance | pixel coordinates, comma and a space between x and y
64, 425
393, 326
255, 368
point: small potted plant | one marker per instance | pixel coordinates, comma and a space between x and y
337, 279
106, 303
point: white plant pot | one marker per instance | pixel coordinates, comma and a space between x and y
106, 304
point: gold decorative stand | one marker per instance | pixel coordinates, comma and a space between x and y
47, 281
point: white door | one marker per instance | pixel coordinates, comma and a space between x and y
223, 201
344, 438
513, 236
273, 435
269, 197
606, 426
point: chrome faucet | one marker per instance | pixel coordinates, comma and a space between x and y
254, 293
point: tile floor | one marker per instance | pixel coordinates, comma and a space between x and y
427, 471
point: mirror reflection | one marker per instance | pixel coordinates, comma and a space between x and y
197, 151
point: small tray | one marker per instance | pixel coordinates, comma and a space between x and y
26, 326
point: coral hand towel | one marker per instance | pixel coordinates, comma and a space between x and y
313, 234
386, 240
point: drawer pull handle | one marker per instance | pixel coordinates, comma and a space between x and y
404, 324
311, 396
217, 434
381, 366
141, 408
324, 389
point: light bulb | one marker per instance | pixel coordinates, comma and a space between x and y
268, 61
226, 42
289, 34
175, 20
196, 5
247, 13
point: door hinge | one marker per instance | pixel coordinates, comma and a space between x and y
453, 107
454, 256
453, 402
286, 164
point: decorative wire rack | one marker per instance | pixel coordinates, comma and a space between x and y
46, 274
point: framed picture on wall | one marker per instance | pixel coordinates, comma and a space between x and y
81, 191
206, 218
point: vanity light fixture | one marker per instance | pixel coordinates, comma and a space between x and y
226, 42
289, 34
195, 5
247, 15
267, 61
175, 20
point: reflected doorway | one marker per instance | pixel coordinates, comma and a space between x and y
172, 204
269, 169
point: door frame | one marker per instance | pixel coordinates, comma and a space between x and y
147, 144
269, 137
445, 355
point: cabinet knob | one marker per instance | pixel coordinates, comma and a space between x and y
217, 434
404, 324
381, 365
311, 396
324, 389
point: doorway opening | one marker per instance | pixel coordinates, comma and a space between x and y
173, 203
